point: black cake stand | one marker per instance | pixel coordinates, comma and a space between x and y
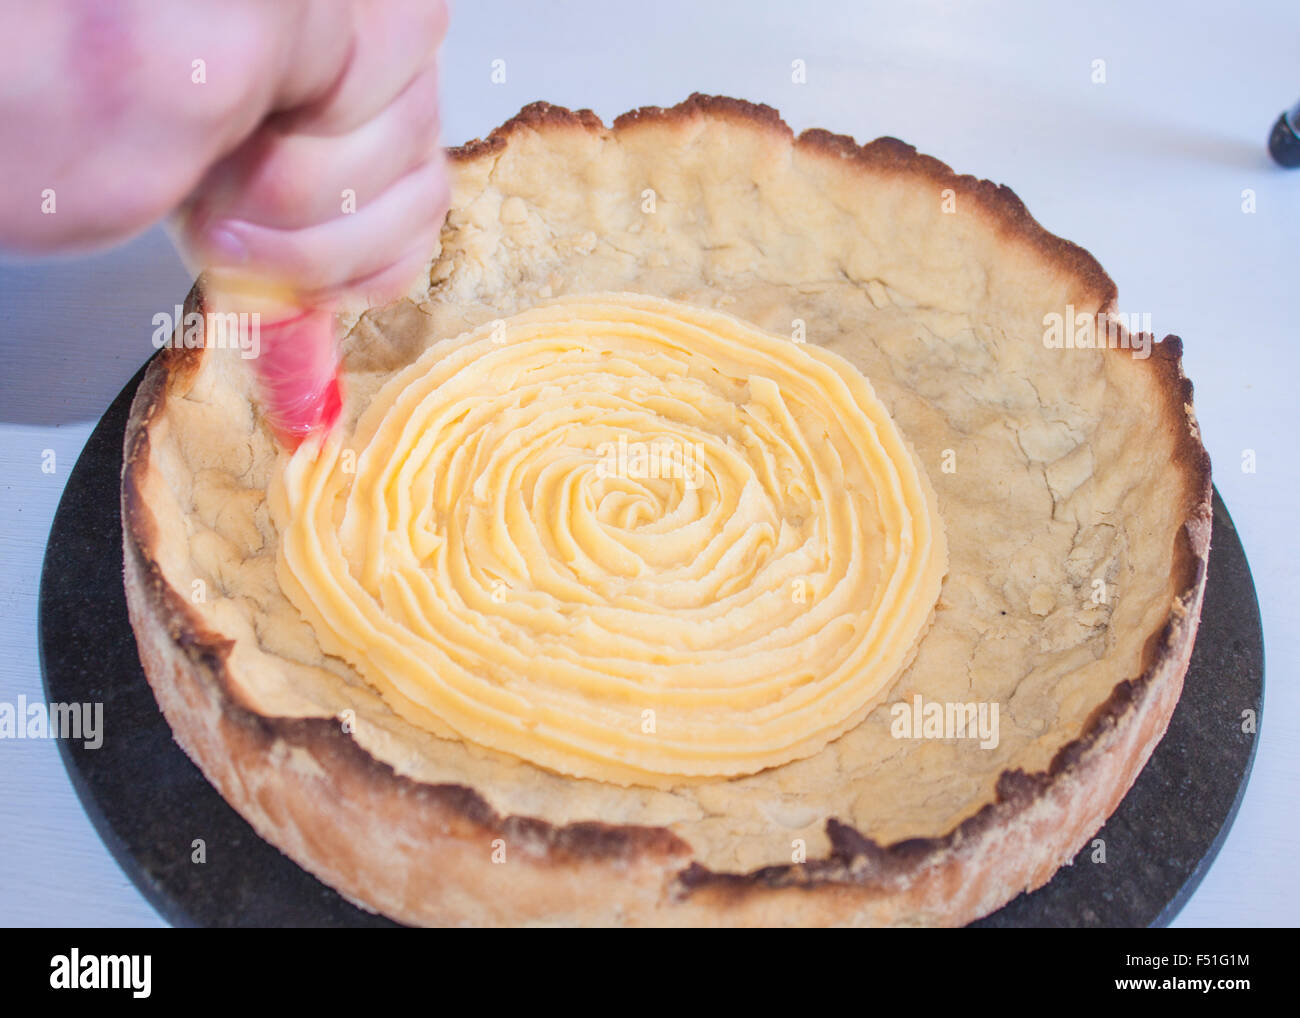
150, 803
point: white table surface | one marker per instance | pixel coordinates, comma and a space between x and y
1146, 170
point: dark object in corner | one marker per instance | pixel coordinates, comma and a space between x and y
1284, 142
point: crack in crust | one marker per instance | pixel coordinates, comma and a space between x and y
945, 879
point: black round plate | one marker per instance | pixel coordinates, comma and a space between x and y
151, 805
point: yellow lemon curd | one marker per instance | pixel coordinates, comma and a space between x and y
619, 537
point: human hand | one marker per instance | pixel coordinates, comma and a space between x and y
339, 198
294, 142
343, 195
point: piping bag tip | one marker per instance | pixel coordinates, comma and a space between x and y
296, 364
297, 374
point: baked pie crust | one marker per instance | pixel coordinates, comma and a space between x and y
1072, 483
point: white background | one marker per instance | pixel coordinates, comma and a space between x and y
1146, 171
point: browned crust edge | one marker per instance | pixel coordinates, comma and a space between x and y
885, 153
1037, 822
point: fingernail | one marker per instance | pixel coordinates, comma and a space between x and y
226, 246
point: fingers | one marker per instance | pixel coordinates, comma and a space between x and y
344, 196
392, 41
395, 279
328, 259
290, 181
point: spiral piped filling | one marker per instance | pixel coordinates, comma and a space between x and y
619, 537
